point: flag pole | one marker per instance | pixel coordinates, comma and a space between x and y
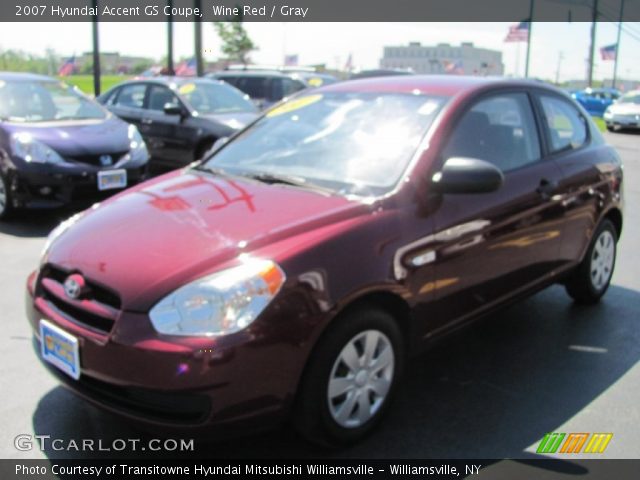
526, 66
615, 65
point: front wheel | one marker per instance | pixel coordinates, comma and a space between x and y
350, 379
591, 279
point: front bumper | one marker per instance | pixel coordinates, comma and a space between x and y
622, 121
48, 186
245, 379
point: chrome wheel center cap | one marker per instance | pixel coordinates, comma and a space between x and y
361, 378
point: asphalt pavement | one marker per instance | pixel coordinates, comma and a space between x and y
491, 391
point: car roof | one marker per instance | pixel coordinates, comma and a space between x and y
253, 73
22, 76
170, 80
448, 85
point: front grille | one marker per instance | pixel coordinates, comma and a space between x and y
98, 309
95, 159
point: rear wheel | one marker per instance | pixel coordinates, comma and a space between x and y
6, 208
591, 279
350, 379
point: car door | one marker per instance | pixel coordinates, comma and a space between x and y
491, 246
169, 137
128, 103
585, 161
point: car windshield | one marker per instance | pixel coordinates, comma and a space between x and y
351, 143
631, 97
45, 101
214, 97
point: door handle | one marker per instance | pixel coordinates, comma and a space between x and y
147, 121
547, 188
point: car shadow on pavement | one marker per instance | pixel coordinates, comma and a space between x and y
489, 391
34, 223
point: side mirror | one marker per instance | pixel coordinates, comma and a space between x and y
173, 109
467, 175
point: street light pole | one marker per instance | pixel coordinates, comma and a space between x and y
615, 65
197, 30
96, 51
170, 70
526, 67
592, 48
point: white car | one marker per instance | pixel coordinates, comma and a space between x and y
625, 113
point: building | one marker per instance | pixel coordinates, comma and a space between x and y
443, 58
113, 62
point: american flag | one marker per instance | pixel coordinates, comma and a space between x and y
290, 60
518, 33
68, 67
187, 68
454, 68
609, 52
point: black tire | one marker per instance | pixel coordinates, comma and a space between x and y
582, 286
6, 203
313, 417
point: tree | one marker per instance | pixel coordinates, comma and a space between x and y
236, 43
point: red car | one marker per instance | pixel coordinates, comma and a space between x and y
293, 271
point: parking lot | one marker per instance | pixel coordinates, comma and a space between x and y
491, 391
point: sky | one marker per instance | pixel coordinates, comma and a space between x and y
557, 48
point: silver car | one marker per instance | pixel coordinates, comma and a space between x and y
625, 113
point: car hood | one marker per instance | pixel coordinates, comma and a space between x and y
78, 137
625, 108
153, 238
236, 120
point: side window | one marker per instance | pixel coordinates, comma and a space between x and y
131, 96
159, 96
500, 130
255, 87
566, 126
290, 86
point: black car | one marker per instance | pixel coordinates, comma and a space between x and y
267, 87
59, 146
180, 118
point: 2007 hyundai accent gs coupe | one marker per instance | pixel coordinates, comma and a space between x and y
289, 274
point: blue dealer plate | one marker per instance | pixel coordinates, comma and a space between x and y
60, 349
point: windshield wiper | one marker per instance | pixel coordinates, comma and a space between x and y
271, 178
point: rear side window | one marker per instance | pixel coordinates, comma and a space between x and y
500, 130
255, 87
131, 96
565, 124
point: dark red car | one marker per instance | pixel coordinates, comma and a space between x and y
294, 270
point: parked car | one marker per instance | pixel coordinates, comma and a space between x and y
625, 113
596, 100
379, 72
268, 87
180, 118
59, 146
293, 270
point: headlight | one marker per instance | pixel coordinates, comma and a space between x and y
23, 145
219, 304
137, 147
607, 113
